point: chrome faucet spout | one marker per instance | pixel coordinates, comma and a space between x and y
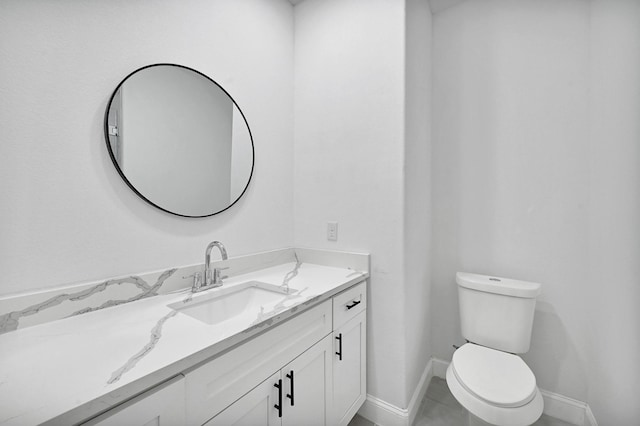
207, 254
213, 278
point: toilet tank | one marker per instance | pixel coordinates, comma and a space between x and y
497, 312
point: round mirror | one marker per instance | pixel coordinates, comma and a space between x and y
179, 140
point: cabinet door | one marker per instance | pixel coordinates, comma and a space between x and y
307, 383
256, 408
216, 384
349, 369
160, 406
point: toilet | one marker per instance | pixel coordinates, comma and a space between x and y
485, 375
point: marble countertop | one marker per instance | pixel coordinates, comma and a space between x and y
64, 371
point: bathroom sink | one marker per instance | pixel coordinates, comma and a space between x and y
223, 304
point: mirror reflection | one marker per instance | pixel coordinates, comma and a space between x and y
179, 140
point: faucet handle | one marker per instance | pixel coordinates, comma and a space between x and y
197, 280
218, 270
217, 278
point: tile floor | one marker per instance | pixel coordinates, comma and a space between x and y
440, 408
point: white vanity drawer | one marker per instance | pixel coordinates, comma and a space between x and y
216, 384
349, 303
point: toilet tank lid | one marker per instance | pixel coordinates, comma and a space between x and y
496, 285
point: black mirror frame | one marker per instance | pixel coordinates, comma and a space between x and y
121, 173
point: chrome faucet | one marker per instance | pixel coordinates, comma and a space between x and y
212, 278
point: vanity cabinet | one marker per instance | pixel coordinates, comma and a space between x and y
216, 384
162, 405
296, 395
329, 378
349, 360
309, 370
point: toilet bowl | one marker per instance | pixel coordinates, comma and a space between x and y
485, 376
497, 388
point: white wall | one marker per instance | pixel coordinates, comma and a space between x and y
66, 216
349, 154
613, 293
535, 174
362, 157
417, 191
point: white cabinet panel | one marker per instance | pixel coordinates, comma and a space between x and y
216, 384
254, 409
307, 385
349, 369
160, 406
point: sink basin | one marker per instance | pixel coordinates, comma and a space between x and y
224, 304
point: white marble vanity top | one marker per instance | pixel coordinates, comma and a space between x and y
67, 370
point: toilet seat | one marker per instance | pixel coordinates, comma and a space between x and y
497, 377
480, 379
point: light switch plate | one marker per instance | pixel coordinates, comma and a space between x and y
332, 231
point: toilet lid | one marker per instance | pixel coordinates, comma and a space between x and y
497, 377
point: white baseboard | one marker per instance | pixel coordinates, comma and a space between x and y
420, 391
564, 408
382, 413
440, 368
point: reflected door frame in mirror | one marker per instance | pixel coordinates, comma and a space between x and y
186, 147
